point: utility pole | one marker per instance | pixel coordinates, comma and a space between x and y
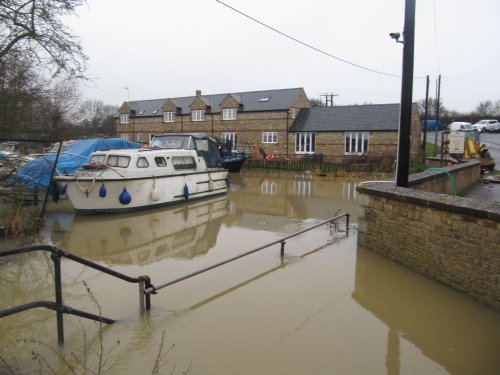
328, 99
403, 164
426, 115
438, 96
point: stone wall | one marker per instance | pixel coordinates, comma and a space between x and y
436, 180
453, 240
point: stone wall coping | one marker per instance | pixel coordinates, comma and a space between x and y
417, 178
460, 205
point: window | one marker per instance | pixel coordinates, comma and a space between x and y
124, 118
229, 114
168, 117
229, 139
269, 137
142, 163
124, 136
160, 161
305, 143
198, 115
292, 112
356, 143
97, 159
140, 137
118, 161
183, 162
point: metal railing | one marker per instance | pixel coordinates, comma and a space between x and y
145, 286
282, 241
58, 306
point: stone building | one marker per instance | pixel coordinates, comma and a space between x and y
281, 122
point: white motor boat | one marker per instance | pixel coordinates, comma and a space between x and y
175, 168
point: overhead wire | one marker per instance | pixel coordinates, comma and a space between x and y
308, 45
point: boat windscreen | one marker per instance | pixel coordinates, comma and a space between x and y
172, 142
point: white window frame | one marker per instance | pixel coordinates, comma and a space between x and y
229, 113
229, 136
292, 112
356, 143
125, 136
269, 137
124, 118
305, 143
197, 115
140, 137
168, 116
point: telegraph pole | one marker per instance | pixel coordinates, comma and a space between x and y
328, 99
403, 165
438, 101
426, 114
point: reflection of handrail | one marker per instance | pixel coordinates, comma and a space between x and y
56, 254
281, 241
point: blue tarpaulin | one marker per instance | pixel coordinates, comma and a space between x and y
38, 171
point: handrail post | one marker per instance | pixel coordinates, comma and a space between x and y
56, 258
347, 225
282, 251
142, 307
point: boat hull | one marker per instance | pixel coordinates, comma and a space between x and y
101, 195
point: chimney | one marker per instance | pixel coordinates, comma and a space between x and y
198, 93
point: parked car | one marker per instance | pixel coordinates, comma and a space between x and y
431, 125
487, 125
460, 126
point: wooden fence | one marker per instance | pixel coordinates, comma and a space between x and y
320, 166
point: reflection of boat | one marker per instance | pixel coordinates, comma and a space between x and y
147, 236
175, 168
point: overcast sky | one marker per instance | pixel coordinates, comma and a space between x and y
166, 48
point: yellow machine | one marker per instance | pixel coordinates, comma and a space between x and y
473, 149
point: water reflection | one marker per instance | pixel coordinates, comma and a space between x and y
448, 328
261, 315
274, 203
145, 237
291, 196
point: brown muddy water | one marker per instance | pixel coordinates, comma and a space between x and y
327, 307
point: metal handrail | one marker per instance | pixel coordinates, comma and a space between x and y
145, 286
281, 241
56, 254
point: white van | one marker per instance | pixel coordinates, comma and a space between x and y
460, 126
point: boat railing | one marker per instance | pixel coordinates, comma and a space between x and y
146, 288
58, 306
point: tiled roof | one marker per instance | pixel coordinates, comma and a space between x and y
380, 117
250, 102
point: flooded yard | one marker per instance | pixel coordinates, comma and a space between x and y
326, 307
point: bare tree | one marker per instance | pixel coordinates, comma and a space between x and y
34, 28
97, 117
432, 108
487, 109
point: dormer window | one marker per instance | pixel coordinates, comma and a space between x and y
168, 117
198, 115
124, 118
229, 114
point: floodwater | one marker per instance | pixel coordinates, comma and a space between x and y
326, 307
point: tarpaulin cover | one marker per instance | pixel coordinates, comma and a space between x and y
38, 171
